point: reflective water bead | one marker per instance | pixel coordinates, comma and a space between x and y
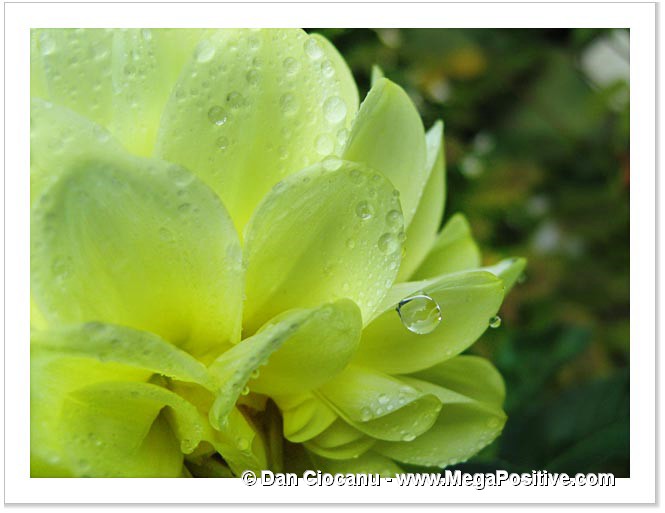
420, 314
495, 322
217, 115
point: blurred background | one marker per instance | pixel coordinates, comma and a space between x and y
537, 152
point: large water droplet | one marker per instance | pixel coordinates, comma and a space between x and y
217, 115
223, 143
394, 218
204, 51
495, 322
312, 49
420, 314
288, 104
388, 243
327, 69
324, 145
334, 109
291, 66
364, 210
46, 44
235, 100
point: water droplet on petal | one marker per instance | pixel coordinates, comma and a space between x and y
222, 143
327, 69
408, 437
324, 145
334, 109
331, 163
312, 49
364, 210
245, 391
288, 104
235, 100
394, 218
420, 314
217, 115
47, 44
388, 243
495, 322
291, 66
204, 52
365, 414
383, 399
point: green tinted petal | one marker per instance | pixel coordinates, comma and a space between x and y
377, 73
466, 424
368, 463
113, 430
120, 79
322, 234
421, 234
388, 136
379, 405
467, 301
252, 107
508, 270
471, 376
340, 441
318, 351
304, 416
235, 370
454, 250
59, 139
139, 243
109, 343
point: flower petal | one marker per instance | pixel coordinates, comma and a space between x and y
85, 421
60, 138
467, 301
252, 107
421, 234
235, 370
340, 441
388, 136
368, 463
454, 250
508, 270
120, 79
319, 236
466, 424
138, 243
305, 416
318, 351
125, 346
379, 405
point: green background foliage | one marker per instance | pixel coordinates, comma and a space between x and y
537, 151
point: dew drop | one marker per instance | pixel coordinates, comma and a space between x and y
47, 44
420, 314
245, 391
217, 115
383, 399
334, 109
288, 104
331, 163
394, 218
235, 100
495, 322
252, 77
324, 145
493, 423
255, 373
205, 51
222, 143
242, 443
291, 66
388, 243
350, 243
146, 34
312, 49
364, 210
408, 437
327, 69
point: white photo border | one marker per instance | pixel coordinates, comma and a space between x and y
640, 18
